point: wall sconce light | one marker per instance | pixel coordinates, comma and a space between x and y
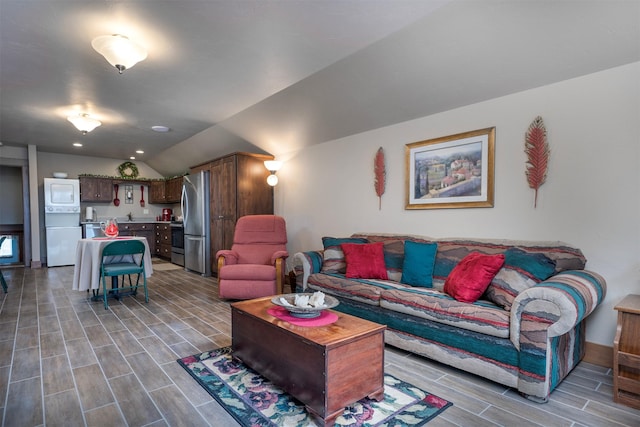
272, 166
119, 51
84, 123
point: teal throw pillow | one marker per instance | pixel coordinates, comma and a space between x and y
417, 268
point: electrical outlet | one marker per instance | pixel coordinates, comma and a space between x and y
145, 211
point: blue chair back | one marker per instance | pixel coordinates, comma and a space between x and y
124, 247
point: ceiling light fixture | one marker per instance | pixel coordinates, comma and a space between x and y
160, 128
119, 51
272, 166
84, 123
77, 144
139, 152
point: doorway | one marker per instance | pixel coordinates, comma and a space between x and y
14, 215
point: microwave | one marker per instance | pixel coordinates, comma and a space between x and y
61, 195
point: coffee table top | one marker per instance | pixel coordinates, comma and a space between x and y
346, 328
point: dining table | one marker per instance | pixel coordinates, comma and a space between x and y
86, 274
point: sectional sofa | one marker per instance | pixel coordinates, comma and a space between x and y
525, 329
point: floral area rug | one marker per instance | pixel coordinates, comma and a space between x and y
254, 401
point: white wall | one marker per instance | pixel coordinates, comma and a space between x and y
591, 198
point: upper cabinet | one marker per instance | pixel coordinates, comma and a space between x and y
165, 191
173, 188
157, 193
96, 189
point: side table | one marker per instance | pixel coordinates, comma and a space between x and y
626, 353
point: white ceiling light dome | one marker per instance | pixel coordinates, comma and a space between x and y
84, 123
119, 51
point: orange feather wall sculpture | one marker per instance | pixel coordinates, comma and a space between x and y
380, 175
537, 149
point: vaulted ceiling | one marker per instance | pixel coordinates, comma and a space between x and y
275, 76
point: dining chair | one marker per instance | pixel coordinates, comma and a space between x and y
254, 266
120, 258
4, 283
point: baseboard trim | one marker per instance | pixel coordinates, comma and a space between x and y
598, 354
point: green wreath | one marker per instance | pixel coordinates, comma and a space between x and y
128, 170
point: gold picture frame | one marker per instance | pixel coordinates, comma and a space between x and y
454, 171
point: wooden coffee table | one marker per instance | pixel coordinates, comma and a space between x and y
327, 368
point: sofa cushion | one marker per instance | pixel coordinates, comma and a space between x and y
394, 258
521, 271
417, 268
363, 290
451, 251
247, 272
470, 278
365, 260
333, 259
481, 316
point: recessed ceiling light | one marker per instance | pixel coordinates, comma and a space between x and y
160, 128
77, 144
132, 158
139, 151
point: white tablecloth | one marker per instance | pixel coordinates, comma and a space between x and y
86, 274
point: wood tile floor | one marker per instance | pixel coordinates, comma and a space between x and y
65, 361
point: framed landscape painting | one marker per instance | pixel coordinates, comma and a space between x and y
451, 172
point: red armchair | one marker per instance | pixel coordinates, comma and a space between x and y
254, 267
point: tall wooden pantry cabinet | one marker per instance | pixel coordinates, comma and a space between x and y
238, 188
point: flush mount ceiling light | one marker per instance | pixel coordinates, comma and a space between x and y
119, 51
84, 123
161, 129
272, 166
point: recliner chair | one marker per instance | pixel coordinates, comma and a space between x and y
254, 266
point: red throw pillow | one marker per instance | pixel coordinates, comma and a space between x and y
471, 277
365, 260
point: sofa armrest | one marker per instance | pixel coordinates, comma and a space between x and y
562, 301
309, 262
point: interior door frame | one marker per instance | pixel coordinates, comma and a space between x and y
26, 207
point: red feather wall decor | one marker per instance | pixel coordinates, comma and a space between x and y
380, 175
537, 149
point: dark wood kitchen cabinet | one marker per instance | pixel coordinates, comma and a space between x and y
163, 240
173, 190
165, 191
141, 229
157, 192
96, 189
238, 188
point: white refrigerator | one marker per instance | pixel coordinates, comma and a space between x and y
62, 220
62, 232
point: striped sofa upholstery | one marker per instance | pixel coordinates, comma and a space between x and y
527, 335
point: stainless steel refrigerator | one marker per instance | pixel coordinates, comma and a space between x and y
197, 233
